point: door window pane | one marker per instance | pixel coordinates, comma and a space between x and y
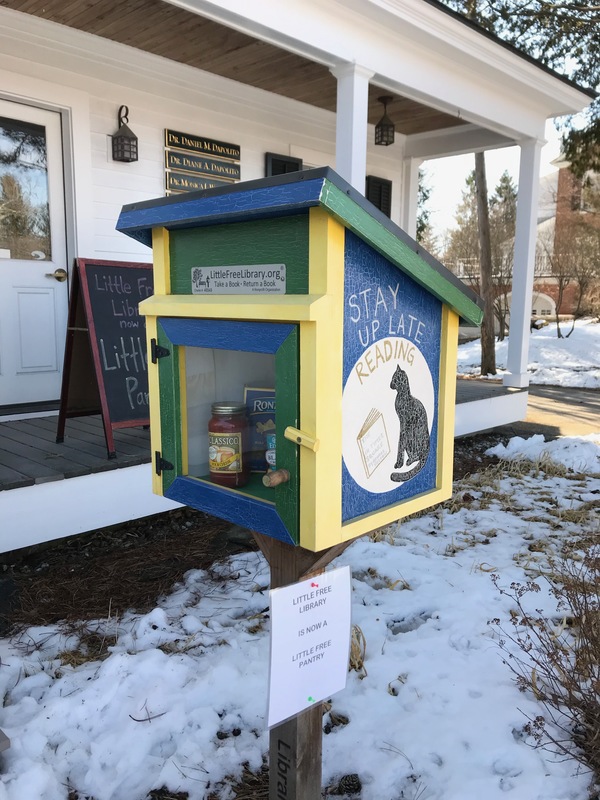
24, 209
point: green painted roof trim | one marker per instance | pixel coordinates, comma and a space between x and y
295, 193
399, 253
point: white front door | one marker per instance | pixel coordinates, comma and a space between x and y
33, 255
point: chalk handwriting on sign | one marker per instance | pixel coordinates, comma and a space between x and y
310, 642
120, 334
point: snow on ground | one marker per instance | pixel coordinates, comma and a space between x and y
571, 362
181, 699
579, 454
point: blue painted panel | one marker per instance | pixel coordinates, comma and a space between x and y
251, 337
233, 506
217, 205
392, 342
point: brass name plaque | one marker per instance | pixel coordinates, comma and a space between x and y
175, 140
177, 182
187, 162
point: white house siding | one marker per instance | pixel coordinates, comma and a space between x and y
90, 78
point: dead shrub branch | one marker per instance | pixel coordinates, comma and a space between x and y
557, 659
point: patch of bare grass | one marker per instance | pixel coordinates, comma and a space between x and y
251, 785
114, 570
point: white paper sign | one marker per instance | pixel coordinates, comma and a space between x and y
310, 642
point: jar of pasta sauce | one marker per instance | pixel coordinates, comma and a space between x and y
227, 444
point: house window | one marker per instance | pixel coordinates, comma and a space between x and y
379, 192
281, 165
24, 223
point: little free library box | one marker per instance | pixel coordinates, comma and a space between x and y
299, 285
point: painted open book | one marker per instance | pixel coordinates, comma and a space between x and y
373, 441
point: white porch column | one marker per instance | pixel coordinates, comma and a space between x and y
351, 123
524, 264
410, 195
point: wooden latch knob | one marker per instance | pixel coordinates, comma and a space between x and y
301, 438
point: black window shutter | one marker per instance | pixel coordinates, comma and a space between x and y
281, 165
379, 192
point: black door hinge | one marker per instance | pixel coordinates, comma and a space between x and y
156, 351
161, 464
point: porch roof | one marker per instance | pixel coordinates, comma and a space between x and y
289, 49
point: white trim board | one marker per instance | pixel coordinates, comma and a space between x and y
480, 415
47, 511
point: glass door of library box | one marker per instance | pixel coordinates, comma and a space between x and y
207, 367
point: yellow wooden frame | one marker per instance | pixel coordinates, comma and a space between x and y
320, 316
321, 383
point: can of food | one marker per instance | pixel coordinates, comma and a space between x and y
270, 451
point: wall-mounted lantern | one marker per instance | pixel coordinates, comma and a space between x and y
385, 130
124, 142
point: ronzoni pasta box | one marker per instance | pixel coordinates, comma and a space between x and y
260, 403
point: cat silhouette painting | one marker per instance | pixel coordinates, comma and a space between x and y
413, 441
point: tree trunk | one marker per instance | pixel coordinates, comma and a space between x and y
488, 341
500, 305
562, 284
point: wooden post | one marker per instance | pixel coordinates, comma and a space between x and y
295, 746
295, 757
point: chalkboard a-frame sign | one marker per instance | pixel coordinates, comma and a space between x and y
106, 364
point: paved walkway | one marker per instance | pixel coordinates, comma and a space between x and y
558, 411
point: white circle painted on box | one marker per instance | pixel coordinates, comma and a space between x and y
372, 412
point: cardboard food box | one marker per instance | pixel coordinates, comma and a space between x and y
260, 403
